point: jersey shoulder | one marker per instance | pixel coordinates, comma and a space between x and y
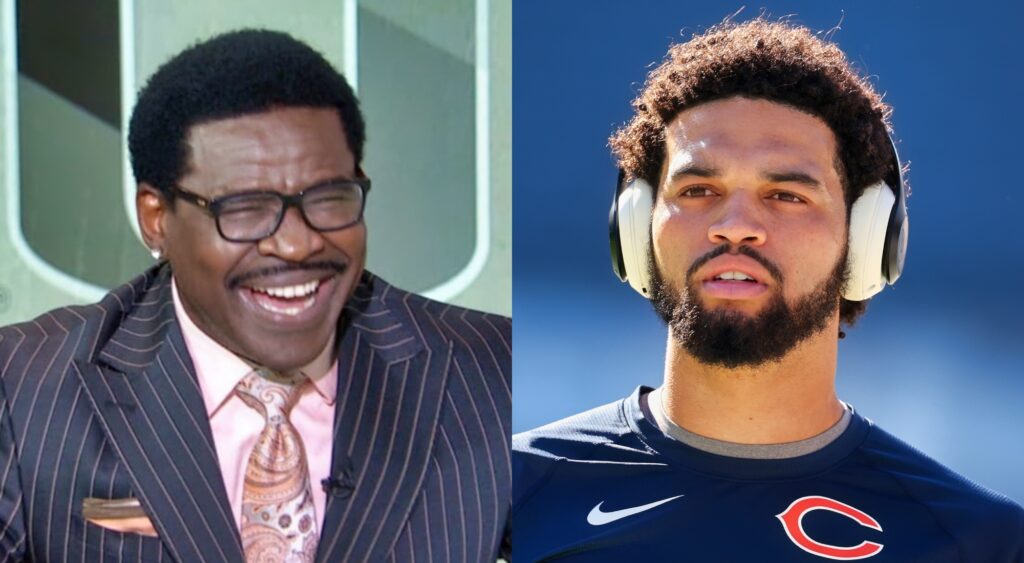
574, 436
978, 519
601, 434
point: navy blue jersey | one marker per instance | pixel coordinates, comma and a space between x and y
608, 485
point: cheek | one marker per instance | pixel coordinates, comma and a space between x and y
198, 251
833, 237
810, 250
351, 242
187, 229
674, 239
660, 233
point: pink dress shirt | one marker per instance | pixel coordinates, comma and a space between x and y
236, 426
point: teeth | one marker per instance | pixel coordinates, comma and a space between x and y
290, 311
292, 291
734, 276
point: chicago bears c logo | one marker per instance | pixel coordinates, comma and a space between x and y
792, 522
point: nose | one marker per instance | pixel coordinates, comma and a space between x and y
294, 240
738, 222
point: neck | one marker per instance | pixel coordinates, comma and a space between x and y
785, 401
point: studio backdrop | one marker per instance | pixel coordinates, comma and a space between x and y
433, 78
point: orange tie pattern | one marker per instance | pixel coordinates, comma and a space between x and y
277, 502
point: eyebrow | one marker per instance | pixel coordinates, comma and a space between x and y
227, 190
794, 176
775, 177
694, 170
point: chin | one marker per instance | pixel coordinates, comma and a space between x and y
734, 307
285, 354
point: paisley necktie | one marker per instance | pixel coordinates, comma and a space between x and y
277, 502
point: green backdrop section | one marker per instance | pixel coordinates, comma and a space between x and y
66, 232
492, 290
419, 152
70, 179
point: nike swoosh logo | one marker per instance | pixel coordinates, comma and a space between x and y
599, 518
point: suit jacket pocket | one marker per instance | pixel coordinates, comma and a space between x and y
97, 543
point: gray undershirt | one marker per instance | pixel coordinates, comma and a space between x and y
748, 451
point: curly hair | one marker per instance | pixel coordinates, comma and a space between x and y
236, 73
773, 60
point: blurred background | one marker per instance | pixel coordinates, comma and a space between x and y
936, 360
433, 77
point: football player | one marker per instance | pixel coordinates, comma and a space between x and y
760, 204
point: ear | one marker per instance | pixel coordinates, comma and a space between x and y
152, 208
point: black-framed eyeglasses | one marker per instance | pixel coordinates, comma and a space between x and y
252, 216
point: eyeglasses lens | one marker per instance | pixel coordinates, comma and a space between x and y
251, 217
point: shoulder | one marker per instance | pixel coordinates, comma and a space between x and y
576, 435
978, 519
76, 330
601, 434
53, 327
441, 322
36, 355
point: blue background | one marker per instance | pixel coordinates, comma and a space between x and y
937, 359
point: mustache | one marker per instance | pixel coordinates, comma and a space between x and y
773, 270
322, 266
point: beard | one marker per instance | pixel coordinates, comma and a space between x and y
732, 339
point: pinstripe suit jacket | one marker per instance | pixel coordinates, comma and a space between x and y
103, 401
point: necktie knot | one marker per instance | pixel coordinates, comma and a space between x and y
270, 393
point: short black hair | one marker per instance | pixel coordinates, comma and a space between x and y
233, 74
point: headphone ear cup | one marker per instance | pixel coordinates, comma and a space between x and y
635, 204
896, 241
869, 226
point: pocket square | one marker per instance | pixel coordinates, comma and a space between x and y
123, 515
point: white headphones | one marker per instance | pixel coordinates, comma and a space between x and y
879, 228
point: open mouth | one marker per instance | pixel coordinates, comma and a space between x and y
734, 276
733, 285
290, 300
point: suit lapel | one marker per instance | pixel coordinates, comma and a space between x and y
390, 390
142, 385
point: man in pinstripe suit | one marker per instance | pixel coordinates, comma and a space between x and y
124, 434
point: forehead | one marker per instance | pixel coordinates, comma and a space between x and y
737, 130
279, 147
